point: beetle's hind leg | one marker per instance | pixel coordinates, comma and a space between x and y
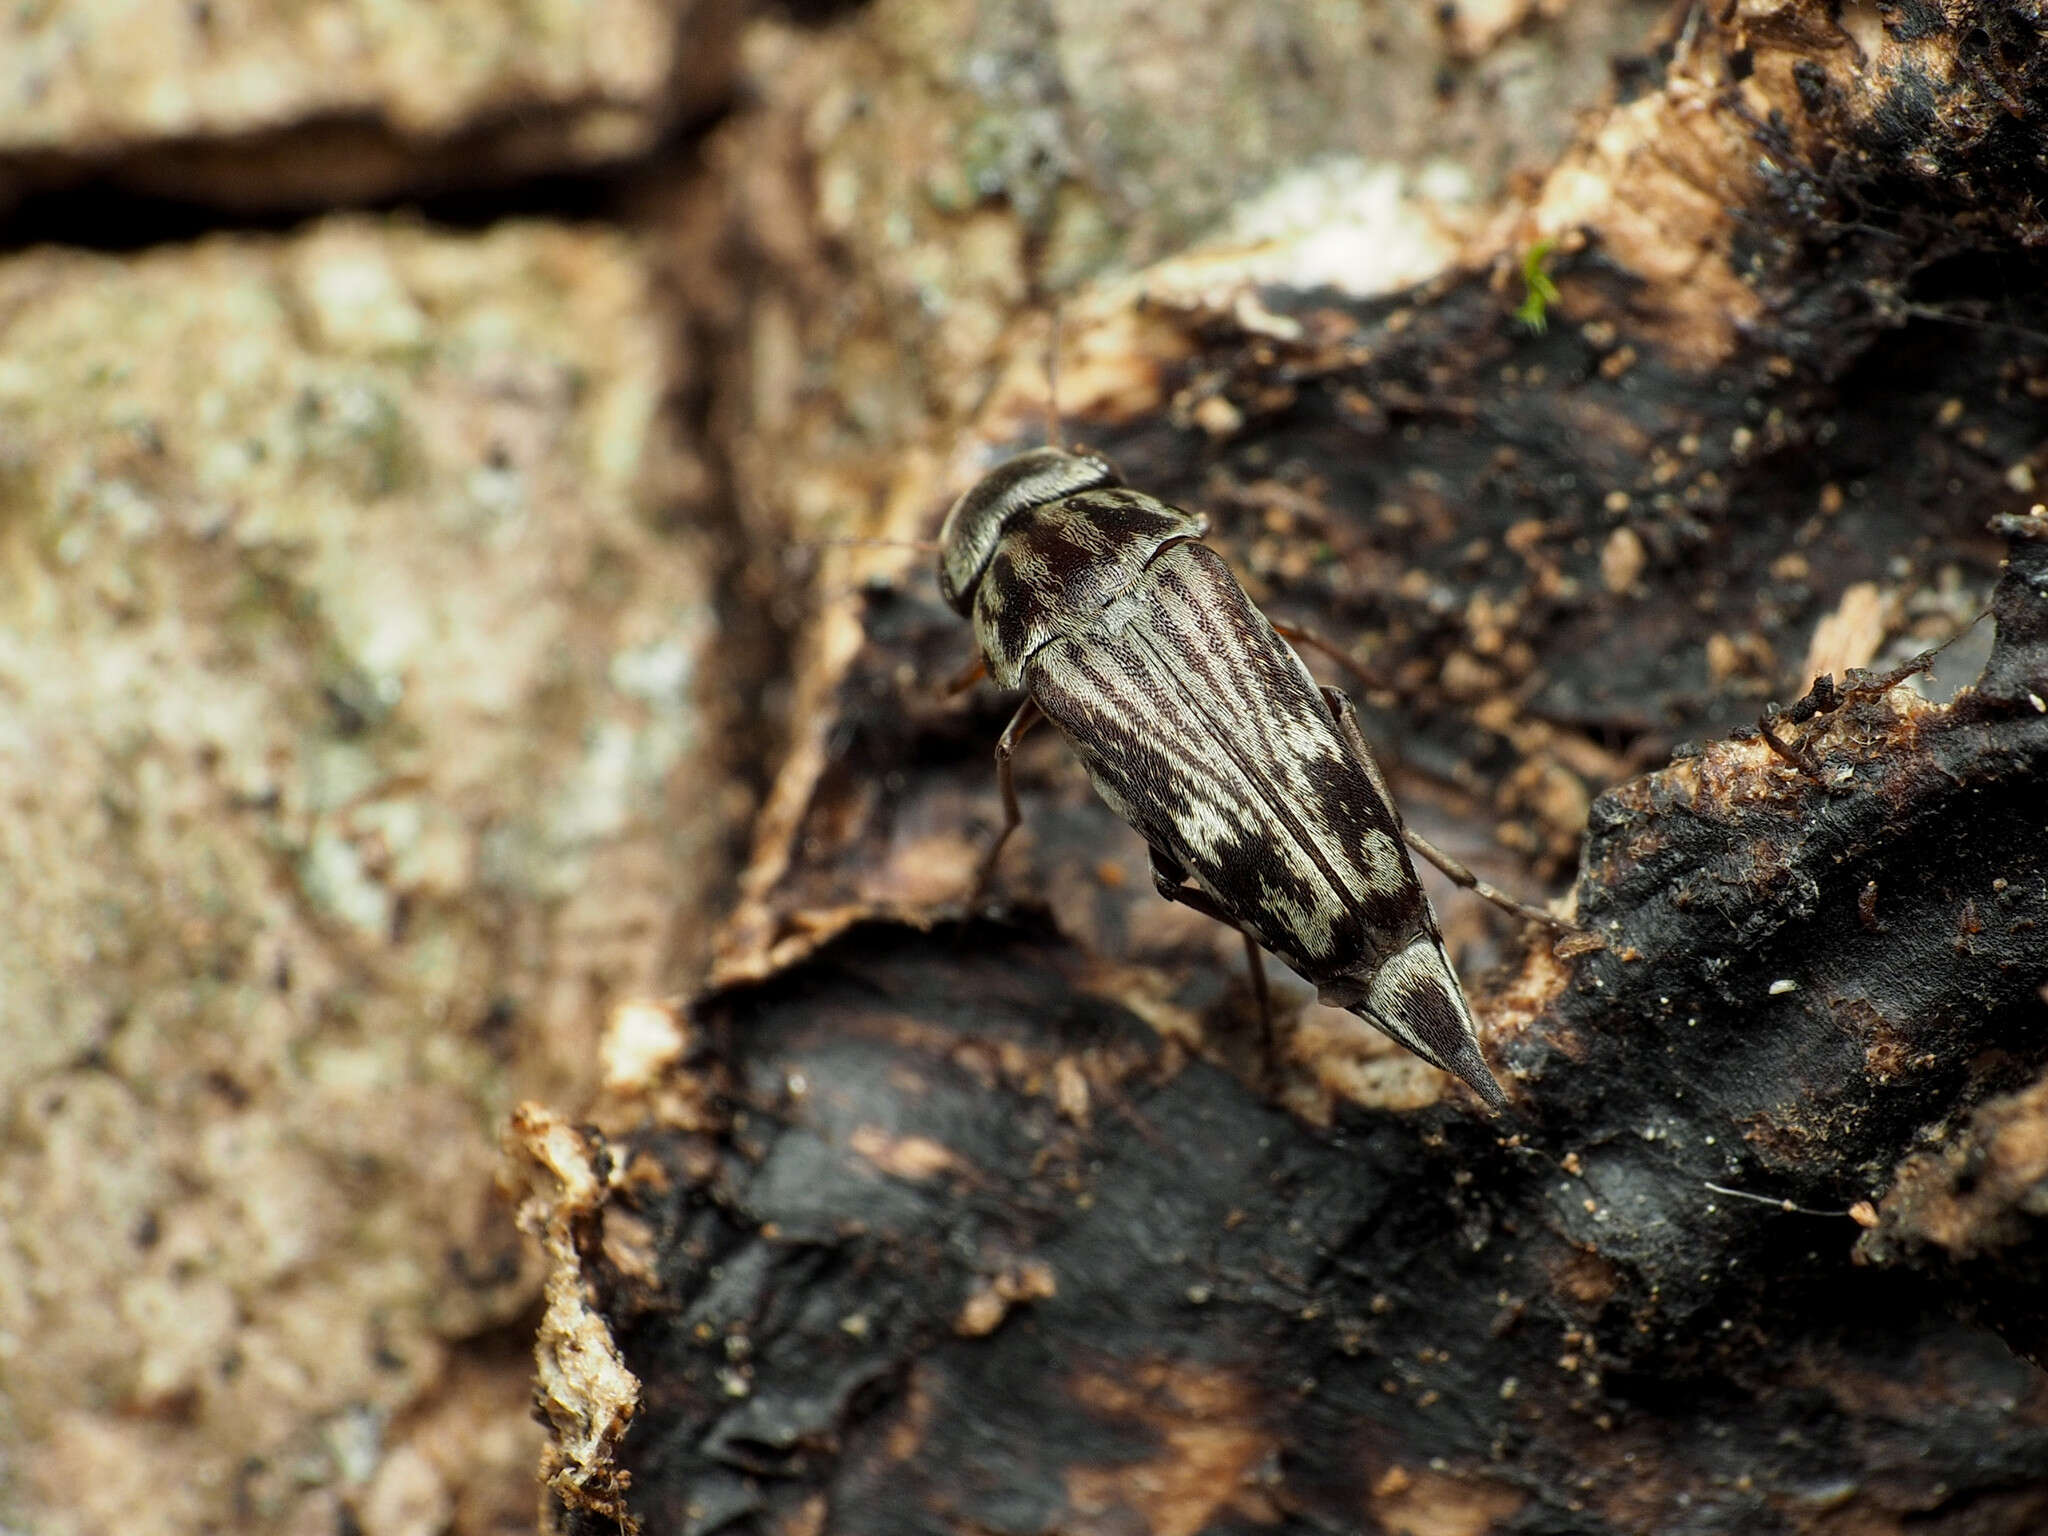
1027, 716
1347, 723
1172, 883
1478, 887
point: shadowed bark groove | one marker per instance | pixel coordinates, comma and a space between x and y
944, 1225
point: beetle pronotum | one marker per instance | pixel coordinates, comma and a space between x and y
1200, 726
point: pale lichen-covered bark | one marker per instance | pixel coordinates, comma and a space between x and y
349, 729
258, 106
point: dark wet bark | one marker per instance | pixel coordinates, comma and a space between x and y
975, 1251
972, 1228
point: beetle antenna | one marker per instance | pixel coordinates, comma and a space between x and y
929, 546
1054, 438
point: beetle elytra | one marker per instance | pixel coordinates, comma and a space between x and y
1199, 725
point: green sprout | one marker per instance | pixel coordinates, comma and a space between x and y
1538, 291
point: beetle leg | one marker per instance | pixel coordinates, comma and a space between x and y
1478, 887
1173, 884
1347, 723
1027, 716
966, 677
1262, 994
1167, 875
1295, 633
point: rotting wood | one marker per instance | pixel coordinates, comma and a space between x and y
1325, 1312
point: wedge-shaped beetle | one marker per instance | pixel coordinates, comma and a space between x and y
1200, 726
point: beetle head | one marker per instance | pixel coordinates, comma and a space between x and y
967, 541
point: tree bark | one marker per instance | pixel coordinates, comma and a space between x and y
953, 1222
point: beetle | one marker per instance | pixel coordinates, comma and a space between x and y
1199, 725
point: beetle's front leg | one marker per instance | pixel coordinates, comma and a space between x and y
970, 674
1347, 723
1027, 716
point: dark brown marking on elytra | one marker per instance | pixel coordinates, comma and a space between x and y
1430, 1013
